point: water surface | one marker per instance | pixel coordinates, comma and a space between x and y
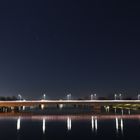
61, 127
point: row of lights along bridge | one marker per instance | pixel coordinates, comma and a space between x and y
92, 97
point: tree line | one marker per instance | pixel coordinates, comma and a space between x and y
8, 98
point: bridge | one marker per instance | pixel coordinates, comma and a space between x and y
95, 103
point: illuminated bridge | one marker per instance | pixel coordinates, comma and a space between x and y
94, 103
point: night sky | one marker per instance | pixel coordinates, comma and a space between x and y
79, 47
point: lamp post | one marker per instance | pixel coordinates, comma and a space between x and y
95, 96
120, 95
44, 96
20, 97
115, 96
91, 97
69, 97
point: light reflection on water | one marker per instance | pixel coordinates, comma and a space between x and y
94, 123
68, 123
18, 124
97, 123
119, 125
44, 125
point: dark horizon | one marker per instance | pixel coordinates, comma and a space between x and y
60, 47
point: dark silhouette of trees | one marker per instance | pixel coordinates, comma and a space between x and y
8, 98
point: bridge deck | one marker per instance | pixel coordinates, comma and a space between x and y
77, 102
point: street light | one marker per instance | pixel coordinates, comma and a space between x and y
91, 97
120, 95
115, 96
44, 96
95, 97
68, 96
20, 97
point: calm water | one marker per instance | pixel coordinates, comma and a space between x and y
107, 127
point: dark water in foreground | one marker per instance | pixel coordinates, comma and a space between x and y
85, 127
